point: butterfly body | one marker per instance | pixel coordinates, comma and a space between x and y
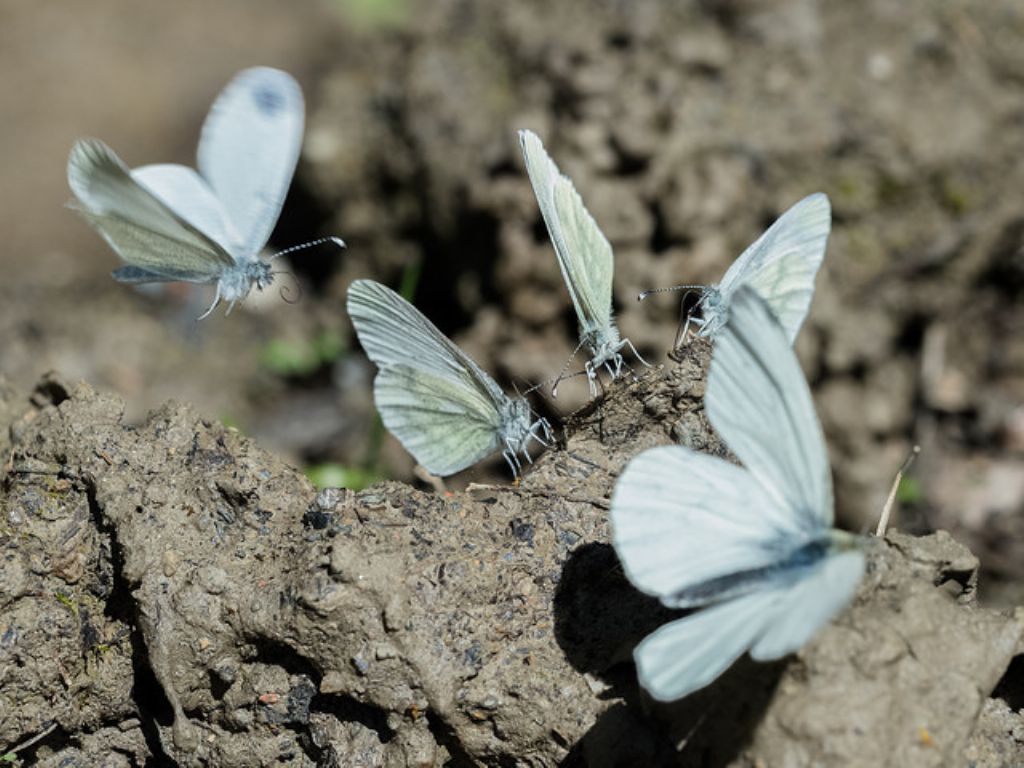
604, 346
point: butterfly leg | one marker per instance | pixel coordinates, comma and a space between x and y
591, 378
541, 424
628, 343
510, 457
216, 301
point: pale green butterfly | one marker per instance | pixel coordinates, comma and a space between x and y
442, 406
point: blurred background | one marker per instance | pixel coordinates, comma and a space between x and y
687, 127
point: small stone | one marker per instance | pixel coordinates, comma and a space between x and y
170, 562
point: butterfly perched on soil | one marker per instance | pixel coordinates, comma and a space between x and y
754, 544
442, 406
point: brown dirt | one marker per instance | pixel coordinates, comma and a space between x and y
173, 592
147, 604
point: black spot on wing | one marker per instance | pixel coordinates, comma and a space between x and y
268, 100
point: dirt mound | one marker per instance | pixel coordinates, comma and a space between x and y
172, 592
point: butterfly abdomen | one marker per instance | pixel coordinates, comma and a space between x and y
790, 566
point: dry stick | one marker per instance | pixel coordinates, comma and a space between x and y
883, 522
38, 737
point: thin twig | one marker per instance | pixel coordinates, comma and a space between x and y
38, 737
883, 522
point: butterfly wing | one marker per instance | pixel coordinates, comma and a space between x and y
782, 263
446, 427
584, 254
248, 150
429, 391
809, 604
692, 528
687, 654
759, 402
140, 227
186, 193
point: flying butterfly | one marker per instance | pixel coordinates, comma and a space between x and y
584, 257
446, 411
755, 544
169, 223
780, 266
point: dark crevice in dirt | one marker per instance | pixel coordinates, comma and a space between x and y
276, 653
153, 707
50, 391
661, 240
1005, 273
55, 740
349, 710
1010, 687
445, 735
911, 335
447, 258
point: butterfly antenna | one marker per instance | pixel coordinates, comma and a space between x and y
535, 387
560, 376
883, 523
319, 241
644, 294
283, 293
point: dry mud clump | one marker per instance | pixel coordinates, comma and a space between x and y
172, 594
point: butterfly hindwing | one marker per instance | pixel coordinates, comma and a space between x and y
447, 428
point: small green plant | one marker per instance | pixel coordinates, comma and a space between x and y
67, 602
909, 491
301, 358
330, 475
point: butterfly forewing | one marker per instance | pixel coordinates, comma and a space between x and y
759, 402
393, 332
781, 264
584, 253
248, 150
682, 519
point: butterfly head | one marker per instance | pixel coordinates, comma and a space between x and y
236, 282
714, 311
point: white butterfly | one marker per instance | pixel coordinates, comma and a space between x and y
442, 406
755, 542
169, 223
584, 256
780, 266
